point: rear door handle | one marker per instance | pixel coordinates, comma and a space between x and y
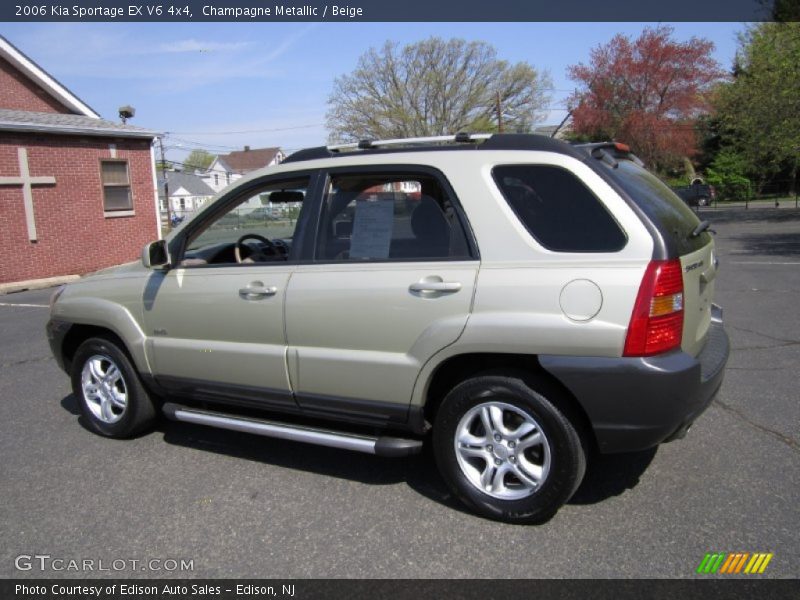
435, 286
256, 290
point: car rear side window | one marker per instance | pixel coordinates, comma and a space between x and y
558, 210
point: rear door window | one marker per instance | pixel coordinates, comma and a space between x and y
558, 210
389, 217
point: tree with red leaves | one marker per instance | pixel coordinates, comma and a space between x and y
646, 92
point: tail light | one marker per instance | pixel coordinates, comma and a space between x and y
657, 321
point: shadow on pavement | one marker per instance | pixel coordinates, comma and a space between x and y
609, 475
333, 462
418, 472
70, 404
606, 476
778, 244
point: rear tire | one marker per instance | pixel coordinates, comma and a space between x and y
506, 450
110, 395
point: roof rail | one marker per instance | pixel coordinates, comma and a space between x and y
464, 141
459, 138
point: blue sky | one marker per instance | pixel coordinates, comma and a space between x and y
224, 85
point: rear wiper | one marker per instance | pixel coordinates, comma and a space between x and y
701, 227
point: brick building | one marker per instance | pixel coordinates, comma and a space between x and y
77, 193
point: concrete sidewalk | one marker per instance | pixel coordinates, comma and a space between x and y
35, 284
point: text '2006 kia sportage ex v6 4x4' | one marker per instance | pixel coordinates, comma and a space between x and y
513, 300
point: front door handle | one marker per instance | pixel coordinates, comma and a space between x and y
257, 290
435, 286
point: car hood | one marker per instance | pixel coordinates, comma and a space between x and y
131, 267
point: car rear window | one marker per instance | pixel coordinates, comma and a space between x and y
558, 210
667, 211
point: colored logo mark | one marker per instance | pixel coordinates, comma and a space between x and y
734, 563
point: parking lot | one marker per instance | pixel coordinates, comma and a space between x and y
242, 506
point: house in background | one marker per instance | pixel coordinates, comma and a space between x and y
187, 193
561, 130
77, 192
227, 168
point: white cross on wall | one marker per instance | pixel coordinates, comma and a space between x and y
27, 182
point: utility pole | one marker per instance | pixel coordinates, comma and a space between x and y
166, 184
499, 114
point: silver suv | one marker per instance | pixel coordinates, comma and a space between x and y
514, 301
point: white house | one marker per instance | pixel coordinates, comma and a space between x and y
187, 193
227, 168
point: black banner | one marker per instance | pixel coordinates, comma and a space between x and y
379, 10
481, 589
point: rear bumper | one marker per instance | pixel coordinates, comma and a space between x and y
637, 403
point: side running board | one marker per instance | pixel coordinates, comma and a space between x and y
380, 445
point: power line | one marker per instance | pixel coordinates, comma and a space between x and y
194, 144
247, 130
174, 163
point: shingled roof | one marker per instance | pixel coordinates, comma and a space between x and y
23, 120
242, 161
191, 183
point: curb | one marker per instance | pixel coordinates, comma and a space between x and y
36, 284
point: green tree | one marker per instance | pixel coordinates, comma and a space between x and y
434, 87
198, 160
760, 108
782, 10
727, 173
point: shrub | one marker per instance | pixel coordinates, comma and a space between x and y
726, 174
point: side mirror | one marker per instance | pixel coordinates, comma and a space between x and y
155, 255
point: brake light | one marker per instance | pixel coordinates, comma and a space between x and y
657, 321
622, 147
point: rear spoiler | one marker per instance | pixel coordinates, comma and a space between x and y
609, 152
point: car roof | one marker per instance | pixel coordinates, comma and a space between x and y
462, 142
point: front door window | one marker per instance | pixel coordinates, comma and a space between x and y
257, 228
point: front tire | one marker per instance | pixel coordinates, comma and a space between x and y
111, 397
505, 450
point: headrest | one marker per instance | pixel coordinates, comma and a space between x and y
428, 221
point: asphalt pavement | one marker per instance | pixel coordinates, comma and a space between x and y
241, 506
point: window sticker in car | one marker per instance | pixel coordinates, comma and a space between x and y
372, 229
